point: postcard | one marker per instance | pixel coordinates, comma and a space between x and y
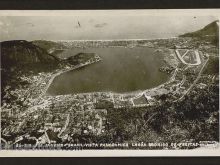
109, 82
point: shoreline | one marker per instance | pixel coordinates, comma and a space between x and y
145, 39
132, 94
64, 71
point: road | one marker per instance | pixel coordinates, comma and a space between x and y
65, 126
196, 80
34, 108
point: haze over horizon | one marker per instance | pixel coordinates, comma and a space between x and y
98, 27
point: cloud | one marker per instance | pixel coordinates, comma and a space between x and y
100, 25
30, 24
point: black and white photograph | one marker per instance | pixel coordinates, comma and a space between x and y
109, 80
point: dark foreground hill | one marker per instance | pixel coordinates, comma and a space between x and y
21, 53
210, 33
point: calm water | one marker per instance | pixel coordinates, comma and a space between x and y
121, 70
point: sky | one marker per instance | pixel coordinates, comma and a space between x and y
98, 27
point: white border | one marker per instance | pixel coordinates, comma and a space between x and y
110, 153
149, 12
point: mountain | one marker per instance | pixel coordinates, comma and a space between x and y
51, 47
24, 53
210, 33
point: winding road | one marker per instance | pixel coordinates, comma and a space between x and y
198, 62
196, 80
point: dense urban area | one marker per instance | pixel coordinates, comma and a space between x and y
182, 113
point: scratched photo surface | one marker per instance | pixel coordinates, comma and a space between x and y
109, 81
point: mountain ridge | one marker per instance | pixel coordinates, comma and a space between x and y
22, 52
209, 32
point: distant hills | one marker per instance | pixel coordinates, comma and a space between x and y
43, 53
36, 56
22, 53
210, 33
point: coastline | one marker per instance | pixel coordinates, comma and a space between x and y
67, 70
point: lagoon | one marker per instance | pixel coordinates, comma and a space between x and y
121, 70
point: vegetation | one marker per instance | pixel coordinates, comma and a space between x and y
213, 66
24, 54
47, 45
209, 33
80, 58
195, 120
